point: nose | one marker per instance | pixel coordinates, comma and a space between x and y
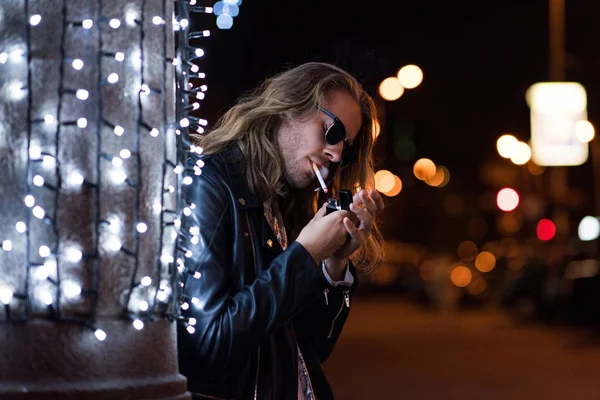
334, 152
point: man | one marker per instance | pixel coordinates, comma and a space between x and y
267, 286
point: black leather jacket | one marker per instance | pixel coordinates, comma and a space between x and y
252, 301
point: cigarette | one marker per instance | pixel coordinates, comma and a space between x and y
320, 178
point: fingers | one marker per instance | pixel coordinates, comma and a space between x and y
378, 200
362, 198
356, 235
364, 216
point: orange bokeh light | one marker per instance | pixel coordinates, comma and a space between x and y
424, 169
485, 261
397, 188
461, 276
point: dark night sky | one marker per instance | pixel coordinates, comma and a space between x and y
478, 59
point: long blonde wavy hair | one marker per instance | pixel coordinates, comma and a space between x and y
253, 122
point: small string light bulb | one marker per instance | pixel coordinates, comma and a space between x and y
71, 289
38, 212
119, 130
29, 201
46, 297
75, 179
74, 255
38, 180
114, 23
21, 227
77, 64
146, 281
138, 324
100, 334
82, 123
87, 23
48, 119
143, 305
113, 78
6, 295
35, 20
7, 245
82, 94
44, 251
35, 152
142, 228
119, 56
125, 154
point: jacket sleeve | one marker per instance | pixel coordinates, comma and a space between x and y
230, 323
323, 320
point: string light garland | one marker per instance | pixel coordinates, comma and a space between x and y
79, 190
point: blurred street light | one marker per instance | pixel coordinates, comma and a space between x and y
589, 229
410, 76
461, 276
485, 261
424, 169
505, 145
556, 108
521, 153
585, 132
391, 89
507, 199
546, 229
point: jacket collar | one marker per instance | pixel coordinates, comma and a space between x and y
235, 163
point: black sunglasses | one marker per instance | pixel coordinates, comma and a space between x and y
335, 134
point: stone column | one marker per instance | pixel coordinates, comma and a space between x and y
88, 199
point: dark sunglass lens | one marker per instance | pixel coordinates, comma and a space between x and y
335, 134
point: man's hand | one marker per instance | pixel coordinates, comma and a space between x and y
365, 206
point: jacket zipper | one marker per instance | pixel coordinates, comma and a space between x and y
347, 303
255, 275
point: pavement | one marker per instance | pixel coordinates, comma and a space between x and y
392, 349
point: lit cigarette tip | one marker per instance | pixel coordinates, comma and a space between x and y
319, 177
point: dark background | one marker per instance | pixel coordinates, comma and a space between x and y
478, 60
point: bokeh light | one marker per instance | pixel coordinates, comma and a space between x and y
461, 276
546, 229
521, 153
424, 169
506, 145
467, 250
396, 189
410, 76
440, 178
390, 89
507, 199
381, 183
485, 261
589, 228
585, 132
